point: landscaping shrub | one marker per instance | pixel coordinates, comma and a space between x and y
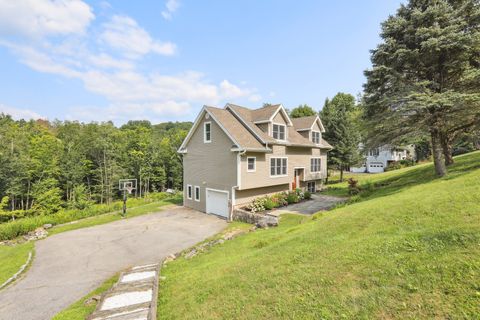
280, 199
300, 194
393, 166
353, 187
407, 163
12, 229
307, 195
292, 198
256, 205
269, 204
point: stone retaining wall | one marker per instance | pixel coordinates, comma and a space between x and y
261, 220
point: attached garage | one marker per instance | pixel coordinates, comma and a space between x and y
217, 202
375, 167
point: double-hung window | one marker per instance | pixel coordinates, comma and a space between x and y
251, 164
197, 193
315, 165
316, 137
279, 131
207, 132
189, 192
278, 167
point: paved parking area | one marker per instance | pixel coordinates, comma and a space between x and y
69, 265
318, 203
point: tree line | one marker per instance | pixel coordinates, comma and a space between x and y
45, 166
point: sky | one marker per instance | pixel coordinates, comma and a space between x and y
163, 60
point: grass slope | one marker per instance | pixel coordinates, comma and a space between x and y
408, 248
80, 310
12, 258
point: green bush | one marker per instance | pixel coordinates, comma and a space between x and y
307, 195
393, 166
292, 198
12, 229
269, 204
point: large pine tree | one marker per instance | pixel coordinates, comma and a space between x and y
341, 131
426, 75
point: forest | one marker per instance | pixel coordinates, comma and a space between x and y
47, 166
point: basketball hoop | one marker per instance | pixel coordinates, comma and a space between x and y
126, 185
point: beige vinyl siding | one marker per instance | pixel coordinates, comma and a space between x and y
298, 157
316, 127
279, 118
209, 165
243, 197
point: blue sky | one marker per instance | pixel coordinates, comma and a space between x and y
162, 60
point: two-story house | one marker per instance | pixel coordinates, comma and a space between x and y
235, 154
377, 159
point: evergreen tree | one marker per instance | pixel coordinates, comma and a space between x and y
339, 117
426, 75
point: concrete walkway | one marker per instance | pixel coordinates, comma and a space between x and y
69, 265
318, 203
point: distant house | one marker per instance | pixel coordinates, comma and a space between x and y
235, 154
377, 159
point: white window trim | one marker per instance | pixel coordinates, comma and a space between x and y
270, 167
205, 132
283, 125
320, 165
195, 193
254, 164
319, 136
189, 186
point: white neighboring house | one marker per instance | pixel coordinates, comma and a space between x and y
377, 159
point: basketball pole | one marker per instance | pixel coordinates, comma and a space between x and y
124, 212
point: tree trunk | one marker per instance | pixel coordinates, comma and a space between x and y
341, 173
437, 151
447, 147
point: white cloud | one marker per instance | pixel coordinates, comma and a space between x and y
34, 18
124, 34
113, 68
170, 7
17, 113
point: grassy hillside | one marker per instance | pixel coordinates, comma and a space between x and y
408, 248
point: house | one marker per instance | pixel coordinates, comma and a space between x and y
235, 154
377, 159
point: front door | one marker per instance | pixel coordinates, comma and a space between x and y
296, 178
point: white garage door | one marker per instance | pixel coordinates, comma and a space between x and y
375, 167
217, 202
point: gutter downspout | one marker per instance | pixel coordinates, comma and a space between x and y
234, 188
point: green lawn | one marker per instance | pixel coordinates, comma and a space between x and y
80, 310
407, 248
12, 258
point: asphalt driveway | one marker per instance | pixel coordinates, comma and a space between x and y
69, 265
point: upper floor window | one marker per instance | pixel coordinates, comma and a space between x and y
315, 165
278, 166
251, 164
316, 137
374, 152
279, 131
207, 132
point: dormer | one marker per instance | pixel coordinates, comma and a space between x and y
310, 127
273, 120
